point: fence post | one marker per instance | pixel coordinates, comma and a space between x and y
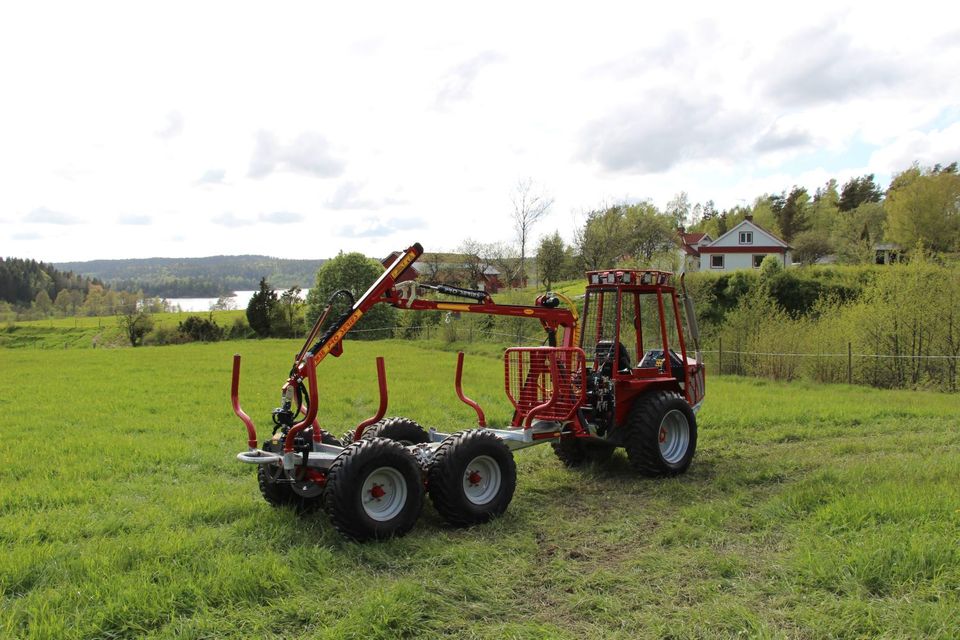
720, 365
849, 363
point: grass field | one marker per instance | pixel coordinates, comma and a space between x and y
86, 332
809, 512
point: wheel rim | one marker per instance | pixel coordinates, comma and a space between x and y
481, 480
307, 489
674, 436
384, 494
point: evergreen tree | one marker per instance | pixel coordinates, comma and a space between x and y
260, 309
790, 212
856, 191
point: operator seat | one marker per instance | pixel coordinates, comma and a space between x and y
604, 356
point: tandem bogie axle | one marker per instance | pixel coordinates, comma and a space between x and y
620, 378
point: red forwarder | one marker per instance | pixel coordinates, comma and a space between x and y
623, 377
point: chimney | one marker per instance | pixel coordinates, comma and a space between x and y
748, 217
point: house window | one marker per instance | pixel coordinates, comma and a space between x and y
716, 262
746, 237
758, 260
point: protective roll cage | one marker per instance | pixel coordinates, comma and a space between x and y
300, 389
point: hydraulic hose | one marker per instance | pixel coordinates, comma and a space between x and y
336, 324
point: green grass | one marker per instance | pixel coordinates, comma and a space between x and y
809, 512
85, 332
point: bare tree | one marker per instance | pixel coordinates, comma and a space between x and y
502, 256
433, 268
529, 206
472, 262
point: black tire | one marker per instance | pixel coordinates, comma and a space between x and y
382, 463
328, 438
403, 430
577, 452
662, 414
279, 493
452, 467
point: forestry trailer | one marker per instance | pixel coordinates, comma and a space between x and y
623, 377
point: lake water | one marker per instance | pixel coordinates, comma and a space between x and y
239, 301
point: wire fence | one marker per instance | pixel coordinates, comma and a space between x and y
885, 370
829, 365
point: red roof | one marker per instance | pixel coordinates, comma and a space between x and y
692, 238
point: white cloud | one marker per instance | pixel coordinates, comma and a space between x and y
43, 215
926, 148
388, 130
309, 152
136, 220
281, 217
457, 83
230, 220
212, 176
654, 136
173, 126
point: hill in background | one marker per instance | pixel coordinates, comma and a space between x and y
197, 277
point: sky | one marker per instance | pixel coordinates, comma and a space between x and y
300, 130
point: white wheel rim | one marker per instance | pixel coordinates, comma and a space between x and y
384, 494
674, 436
481, 480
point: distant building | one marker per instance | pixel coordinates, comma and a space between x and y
743, 247
888, 252
410, 274
452, 272
690, 244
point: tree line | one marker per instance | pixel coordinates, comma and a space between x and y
22, 280
846, 222
205, 277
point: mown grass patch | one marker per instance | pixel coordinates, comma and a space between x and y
810, 511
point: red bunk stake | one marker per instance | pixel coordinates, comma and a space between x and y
481, 419
235, 400
382, 409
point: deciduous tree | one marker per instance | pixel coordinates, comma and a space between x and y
551, 257
648, 232
678, 208
601, 241
529, 206
355, 273
923, 206
136, 324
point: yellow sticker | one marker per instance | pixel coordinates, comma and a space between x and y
407, 259
338, 336
446, 306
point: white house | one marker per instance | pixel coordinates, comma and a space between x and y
690, 244
743, 247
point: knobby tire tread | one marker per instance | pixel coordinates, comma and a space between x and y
397, 428
346, 472
444, 473
642, 436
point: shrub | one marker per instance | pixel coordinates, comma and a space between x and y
240, 330
195, 328
162, 335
